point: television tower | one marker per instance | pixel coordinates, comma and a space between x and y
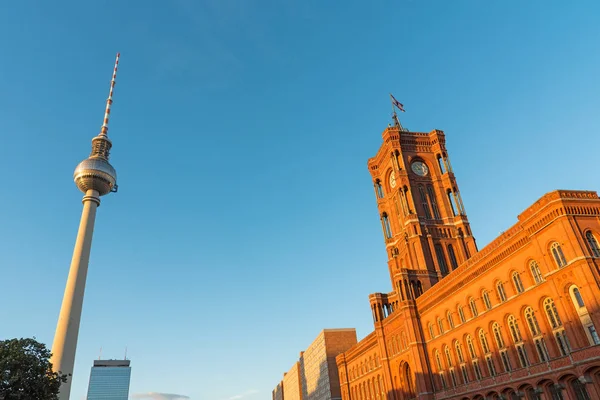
95, 177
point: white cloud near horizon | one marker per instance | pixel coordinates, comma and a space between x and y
159, 396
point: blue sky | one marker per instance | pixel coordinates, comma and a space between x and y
245, 220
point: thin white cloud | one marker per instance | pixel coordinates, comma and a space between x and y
242, 395
159, 396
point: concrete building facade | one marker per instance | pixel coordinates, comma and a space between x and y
315, 375
515, 320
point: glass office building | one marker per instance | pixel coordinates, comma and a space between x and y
109, 380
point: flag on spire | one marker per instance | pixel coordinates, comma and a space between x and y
396, 103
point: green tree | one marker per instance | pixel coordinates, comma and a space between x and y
26, 372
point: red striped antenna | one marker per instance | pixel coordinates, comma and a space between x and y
104, 130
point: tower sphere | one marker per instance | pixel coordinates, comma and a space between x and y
95, 173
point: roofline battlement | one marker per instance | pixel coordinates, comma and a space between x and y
397, 138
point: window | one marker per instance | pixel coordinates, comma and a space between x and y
441, 164
439, 251
490, 365
535, 272
379, 189
450, 320
562, 341
452, 202
501, 291
581, 392
516, 278
484, 343
432, 200
486, 300
452, 255
505, 360
453, 376
522, 353
461, 314
443, 379
513, 326
471, 347
465, 375
593, 243
438, 361
440, 326
448, 356
459, 352
477, 370
594, 334
424, 202
557, 253
498, 335
431, 330
473, 307
540, 346
578, 298
584, 315
532, 322
552, 314
387, 229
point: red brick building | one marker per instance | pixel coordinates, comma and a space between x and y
515, 320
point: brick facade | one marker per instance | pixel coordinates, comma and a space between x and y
516, 320
316, 371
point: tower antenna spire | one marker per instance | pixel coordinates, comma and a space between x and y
104, 129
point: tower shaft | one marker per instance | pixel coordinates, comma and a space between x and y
67, 329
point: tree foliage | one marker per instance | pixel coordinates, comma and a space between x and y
26, 372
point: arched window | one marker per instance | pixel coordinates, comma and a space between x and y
473, 307
450, 320
552, 313
584, 316
501, 291
557, 253
440, 326
459, 353
438, 360
387, 229
379, 189
452, 202
448, 356
557, 327
513, 325
424, 202
441, 164
538, 339
498, 335
431, 330
532, 322
471, 347
452, 255
483, 341
486, 299
433, 201
461, 314
578, 299
439, 251
535, 272
592, 243
516, 278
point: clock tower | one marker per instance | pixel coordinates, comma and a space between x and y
423, 218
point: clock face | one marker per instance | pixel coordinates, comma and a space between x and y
419, 168
393, 180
